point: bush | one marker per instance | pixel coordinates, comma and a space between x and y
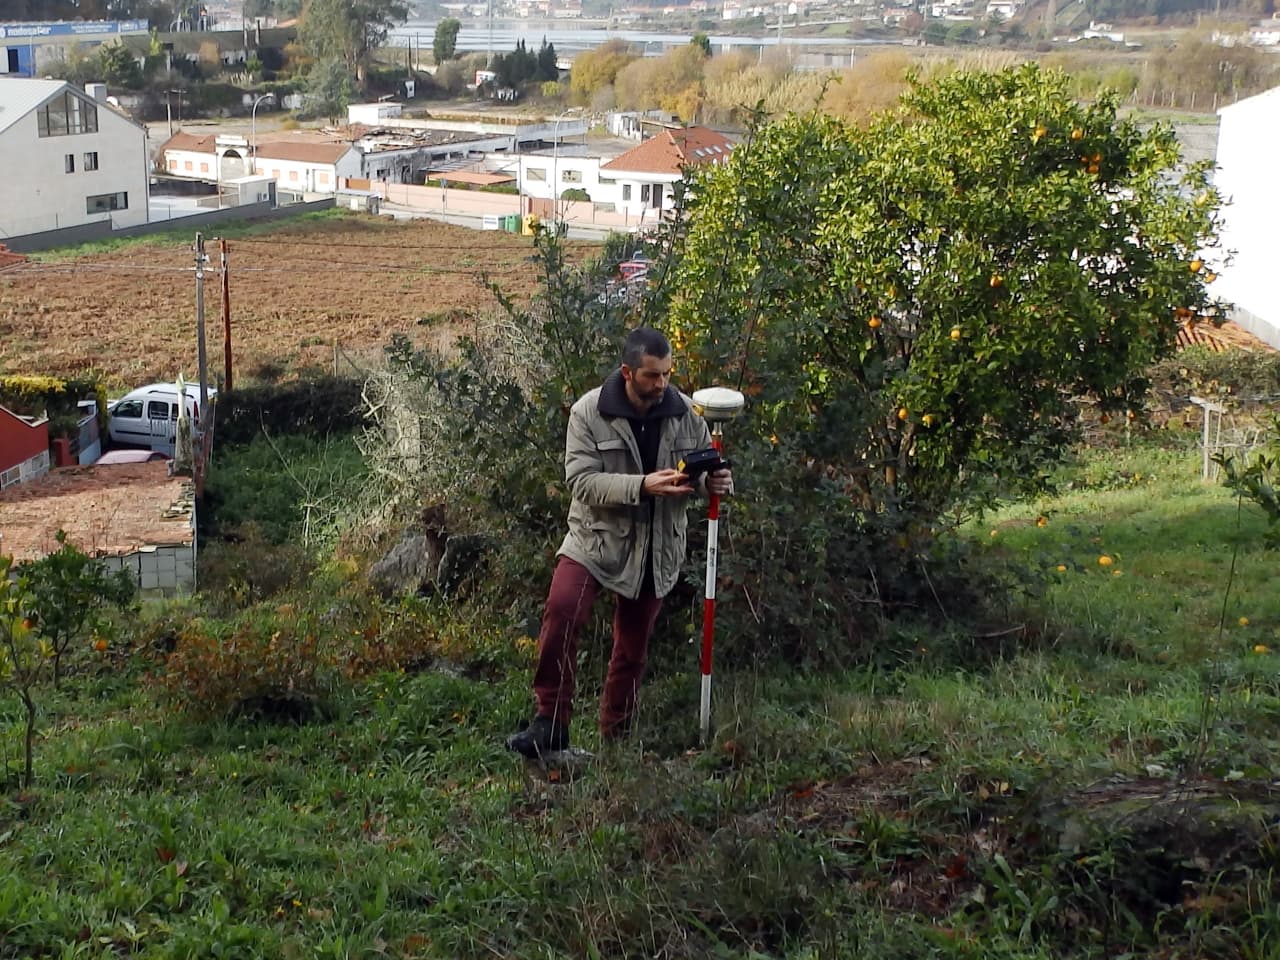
244, 566
915, 319
316, 407
1239, 378
296, 656
272, 663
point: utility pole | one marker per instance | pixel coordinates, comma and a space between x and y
201, 260
226, 316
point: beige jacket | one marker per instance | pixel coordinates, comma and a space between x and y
609, 519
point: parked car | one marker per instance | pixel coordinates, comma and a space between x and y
148, 416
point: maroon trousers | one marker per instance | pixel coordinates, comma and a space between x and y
573, 590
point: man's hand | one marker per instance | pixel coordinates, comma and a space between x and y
667, 483
720, 483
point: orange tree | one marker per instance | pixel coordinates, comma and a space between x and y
918, 307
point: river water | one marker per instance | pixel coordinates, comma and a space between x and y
503, 36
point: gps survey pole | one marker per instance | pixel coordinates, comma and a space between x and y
715, 405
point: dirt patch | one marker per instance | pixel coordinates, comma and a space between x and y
294, 290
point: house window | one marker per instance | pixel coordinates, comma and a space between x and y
322, 177
626, 191
65, 115
91, 160
537, 173
293, 174
607, 181
186, 165
644, 193
204, 168
173, 164
104, 202
69, 164
570, 176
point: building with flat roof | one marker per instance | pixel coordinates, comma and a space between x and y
27, 48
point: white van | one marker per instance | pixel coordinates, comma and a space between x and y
148, 416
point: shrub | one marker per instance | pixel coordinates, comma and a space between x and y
316, 407
272, 663
1239, 378
504, 400
246, 566
70, 596
26, 658
915, 315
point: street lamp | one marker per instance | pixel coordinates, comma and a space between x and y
253, 130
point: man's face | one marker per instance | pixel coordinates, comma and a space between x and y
647, 382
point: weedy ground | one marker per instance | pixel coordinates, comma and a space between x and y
1096, 779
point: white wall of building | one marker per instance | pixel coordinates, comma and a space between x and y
547, 176
373, 113
40, 189
305, 177
1248, 143
310, 177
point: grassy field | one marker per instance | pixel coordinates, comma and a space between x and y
1096, 780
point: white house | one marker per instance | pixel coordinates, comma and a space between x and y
307, 164
547, 175
636, 182
69, 159
644, 176
1248, 143
310, 161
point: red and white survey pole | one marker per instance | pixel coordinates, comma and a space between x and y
715, 405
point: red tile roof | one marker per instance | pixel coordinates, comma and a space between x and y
298, 147
672, 150
190, 142
106, 511
1229, 336
298, 151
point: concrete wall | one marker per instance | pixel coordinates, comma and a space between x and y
160, 570
73, 235
1248, 143
478, 203
36, 191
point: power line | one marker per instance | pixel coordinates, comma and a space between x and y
282, 268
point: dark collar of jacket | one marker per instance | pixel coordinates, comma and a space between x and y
613, 401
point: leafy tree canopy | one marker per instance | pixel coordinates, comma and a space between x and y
445, 42
328, 89
919, 306
595, 69
349, 30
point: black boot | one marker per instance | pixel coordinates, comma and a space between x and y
543, 735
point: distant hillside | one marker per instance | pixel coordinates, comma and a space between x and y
1070, 14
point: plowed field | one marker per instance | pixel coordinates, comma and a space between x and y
295, 287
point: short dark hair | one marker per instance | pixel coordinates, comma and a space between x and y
644, 342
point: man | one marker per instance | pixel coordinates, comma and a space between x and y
627, 528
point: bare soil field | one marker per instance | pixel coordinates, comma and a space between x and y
295, 286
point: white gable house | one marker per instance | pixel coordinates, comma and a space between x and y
68, 160
1248, 142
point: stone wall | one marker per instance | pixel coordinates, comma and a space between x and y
160, 570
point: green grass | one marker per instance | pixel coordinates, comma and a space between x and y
227, 229
1008, 806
